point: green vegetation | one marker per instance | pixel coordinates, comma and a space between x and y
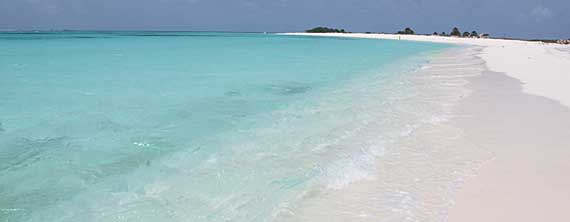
325, 30
455, 32
407, 31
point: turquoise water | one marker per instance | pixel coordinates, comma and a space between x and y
184, 126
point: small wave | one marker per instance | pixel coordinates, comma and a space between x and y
425, 67
344, 172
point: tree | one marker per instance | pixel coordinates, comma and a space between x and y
324, 30
443, 34
466, 34
455, 32
474, 34
407, 31
435, 33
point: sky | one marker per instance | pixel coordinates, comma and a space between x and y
500, 18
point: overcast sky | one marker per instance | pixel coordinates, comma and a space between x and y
511, 18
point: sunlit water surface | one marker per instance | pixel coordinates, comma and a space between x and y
182, 126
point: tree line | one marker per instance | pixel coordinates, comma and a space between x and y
407, 31
454, 32
325, 30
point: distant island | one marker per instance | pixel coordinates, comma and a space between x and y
325, 30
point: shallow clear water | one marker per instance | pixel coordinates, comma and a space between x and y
183, 126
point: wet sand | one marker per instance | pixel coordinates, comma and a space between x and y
529, 177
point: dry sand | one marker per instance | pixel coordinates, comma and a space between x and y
519, 111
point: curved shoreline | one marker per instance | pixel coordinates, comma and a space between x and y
416, 178
522, 117
541, 67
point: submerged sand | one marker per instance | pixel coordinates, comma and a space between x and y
507, 143
415, 178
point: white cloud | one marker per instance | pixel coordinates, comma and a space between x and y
540, 13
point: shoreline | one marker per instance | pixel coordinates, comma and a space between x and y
518, 110
525, 59
414, 179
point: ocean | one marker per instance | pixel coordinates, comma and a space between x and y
195, 126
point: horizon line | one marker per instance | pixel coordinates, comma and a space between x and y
226, 31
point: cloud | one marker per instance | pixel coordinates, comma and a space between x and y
521, 18
540, 13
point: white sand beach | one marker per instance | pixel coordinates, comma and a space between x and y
517, 109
